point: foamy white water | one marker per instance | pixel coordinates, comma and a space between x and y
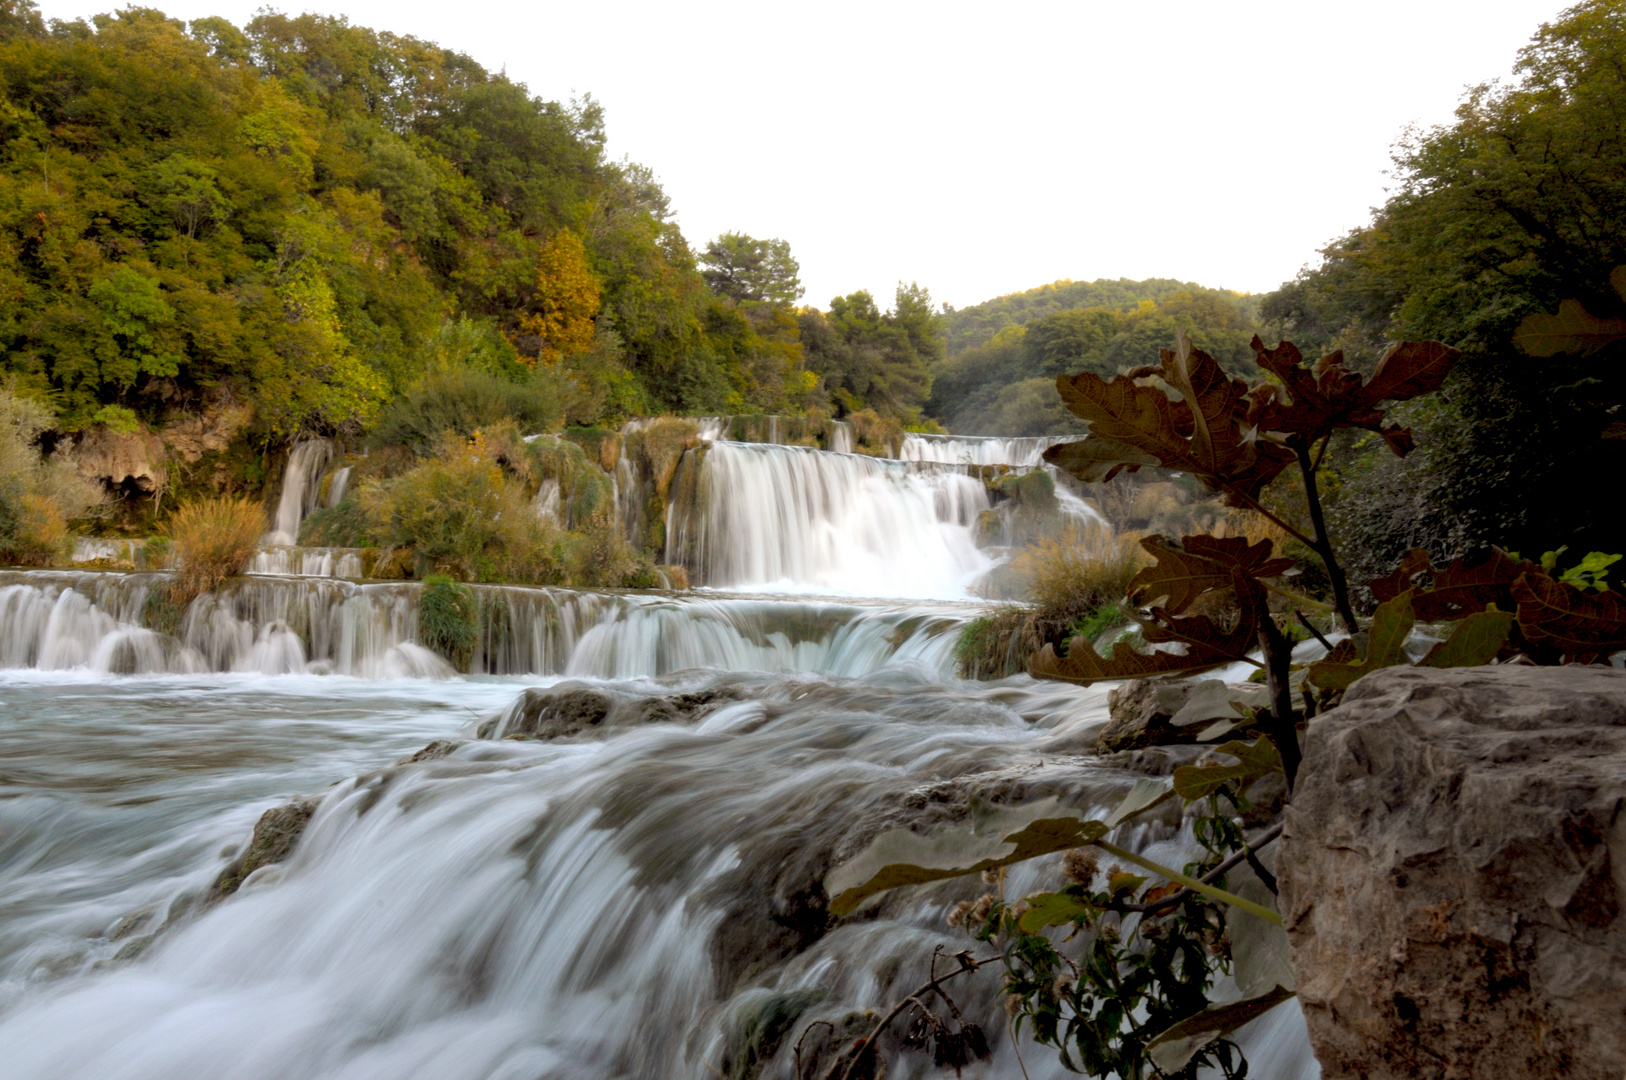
629, 905
978, 449
781, 518
300, 491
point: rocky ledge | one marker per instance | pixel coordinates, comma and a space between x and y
1453, 874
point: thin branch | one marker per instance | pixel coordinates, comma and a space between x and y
1298, 598
1192, 883
1174, 899
1325, 644
868, 1043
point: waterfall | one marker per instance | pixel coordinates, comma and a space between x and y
272, 626
978, 450
642, 903
338, 486
299, 489
840, 437
788, 519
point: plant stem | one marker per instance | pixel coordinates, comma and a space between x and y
1192, 883
1323, 545
1282, 726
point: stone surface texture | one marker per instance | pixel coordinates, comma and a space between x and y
1453, 873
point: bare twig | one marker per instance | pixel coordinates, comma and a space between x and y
868, 1042
1318, 635
805, 1032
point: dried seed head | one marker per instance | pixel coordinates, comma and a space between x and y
1109, 933
957, 914
1062, 986
979, 910
991, 877
1021, 908
1151, 931
1079, 865
1013, 1004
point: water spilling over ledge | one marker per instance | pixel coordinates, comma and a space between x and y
74, 619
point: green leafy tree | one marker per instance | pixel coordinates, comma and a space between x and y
744, 269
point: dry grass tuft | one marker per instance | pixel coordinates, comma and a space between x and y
213, 539
1089, 566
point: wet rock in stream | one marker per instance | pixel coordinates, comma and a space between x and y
566, 710
275, 835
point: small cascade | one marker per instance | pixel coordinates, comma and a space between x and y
840, 436
781, 518
338, 486
275, 626
978, 449
300, 492
308, 562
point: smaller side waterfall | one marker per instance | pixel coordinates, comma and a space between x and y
338, 486
300, 492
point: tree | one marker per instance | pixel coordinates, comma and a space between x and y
566, 300
1505, 213
746, 269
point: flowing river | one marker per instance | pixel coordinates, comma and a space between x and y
641, 900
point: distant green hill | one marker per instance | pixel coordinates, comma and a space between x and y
976, 325
999, 377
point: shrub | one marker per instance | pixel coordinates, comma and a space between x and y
460, 511
213, 539
996, 645
37, 497
448, 619
344, 525
1088, 567
462, 401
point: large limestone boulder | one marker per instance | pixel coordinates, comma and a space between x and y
1453, 874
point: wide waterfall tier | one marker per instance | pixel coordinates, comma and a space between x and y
978, 449
94, 622
794, 519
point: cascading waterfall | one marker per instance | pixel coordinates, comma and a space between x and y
639, 900
88, 621
789, 518
977, 450
338, 486
641, 904
299, 489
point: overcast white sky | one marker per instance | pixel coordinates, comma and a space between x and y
986, 148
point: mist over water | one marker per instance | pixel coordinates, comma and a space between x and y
642, 900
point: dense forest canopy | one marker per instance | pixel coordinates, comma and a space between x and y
313, 218
1006, 383
1518, 205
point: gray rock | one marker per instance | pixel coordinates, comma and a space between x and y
569, 709
1453, 871
1141, 712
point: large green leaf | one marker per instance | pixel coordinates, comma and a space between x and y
1053, 909
1385, 647
1173, 1050
1255, 759
1260, 954
900, 857
1474, 641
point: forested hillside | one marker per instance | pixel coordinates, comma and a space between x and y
1004, 355
305, 225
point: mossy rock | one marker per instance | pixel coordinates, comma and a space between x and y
275, 835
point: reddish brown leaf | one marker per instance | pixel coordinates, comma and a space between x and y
1465, 587
1572, 330
1585, 627
1205, 432
1328, 395
1414, 562
1410, 369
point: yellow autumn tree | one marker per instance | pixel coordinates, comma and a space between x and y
567, 298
